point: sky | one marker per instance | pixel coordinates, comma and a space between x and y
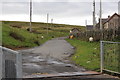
73, 12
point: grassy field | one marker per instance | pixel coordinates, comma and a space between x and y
15, 34
87, 54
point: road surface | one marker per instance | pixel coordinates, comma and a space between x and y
49, 58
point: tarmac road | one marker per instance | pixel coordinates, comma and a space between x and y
49, 58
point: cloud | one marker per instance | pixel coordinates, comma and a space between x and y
15, 8
63, 12
15, 17
63, 8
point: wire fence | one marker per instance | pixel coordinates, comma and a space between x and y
110, 56
107, 35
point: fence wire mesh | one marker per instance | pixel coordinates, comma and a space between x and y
111, 56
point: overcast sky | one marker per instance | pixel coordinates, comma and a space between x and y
73, 12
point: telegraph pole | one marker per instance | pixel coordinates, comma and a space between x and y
51, 22
94, 18
86, 22
101, 27
119, 7
30, 29
47, 21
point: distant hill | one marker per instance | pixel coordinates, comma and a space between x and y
39, 24
16, 35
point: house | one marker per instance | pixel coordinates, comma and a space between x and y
75, 32
112, 22
89, 27
103, 21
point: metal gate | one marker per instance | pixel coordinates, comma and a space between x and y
11, 63
110, 56
1, 63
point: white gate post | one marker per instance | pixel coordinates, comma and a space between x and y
101, 56
0, 43
1, 63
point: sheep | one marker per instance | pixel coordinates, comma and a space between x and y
91, 39
70, 31
42, 37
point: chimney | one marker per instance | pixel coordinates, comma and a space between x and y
108, 16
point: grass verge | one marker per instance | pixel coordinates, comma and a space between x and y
19, 38
86, 54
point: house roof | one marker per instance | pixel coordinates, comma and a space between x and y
112, 17
104, 20
75, 29
89, 25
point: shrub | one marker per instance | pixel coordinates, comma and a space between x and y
17, 36
37, 42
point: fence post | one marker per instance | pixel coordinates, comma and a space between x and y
119, 58
101, 56
0, 63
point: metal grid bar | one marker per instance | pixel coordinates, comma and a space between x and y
111, 71
110, 42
